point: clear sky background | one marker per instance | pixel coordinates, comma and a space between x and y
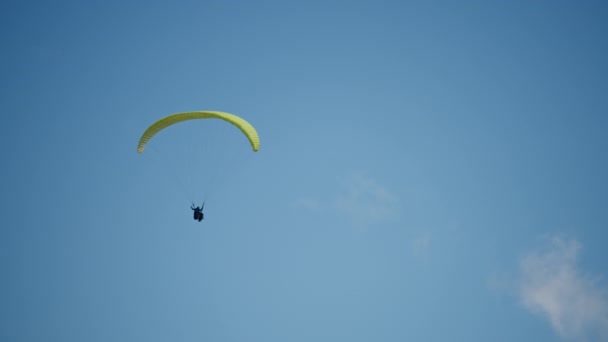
428, 171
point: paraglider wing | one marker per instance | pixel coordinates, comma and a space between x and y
163, 123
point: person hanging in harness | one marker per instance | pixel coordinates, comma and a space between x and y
198, 212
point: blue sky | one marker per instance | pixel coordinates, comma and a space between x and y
428, 171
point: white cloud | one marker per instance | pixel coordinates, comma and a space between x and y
552, 286
366, 201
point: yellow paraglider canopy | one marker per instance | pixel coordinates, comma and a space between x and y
163, 123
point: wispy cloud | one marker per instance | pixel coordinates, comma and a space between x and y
421, 244
307, 204
552, 286
366, 201
359, 198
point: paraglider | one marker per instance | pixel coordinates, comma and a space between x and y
198, 212
246, 128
